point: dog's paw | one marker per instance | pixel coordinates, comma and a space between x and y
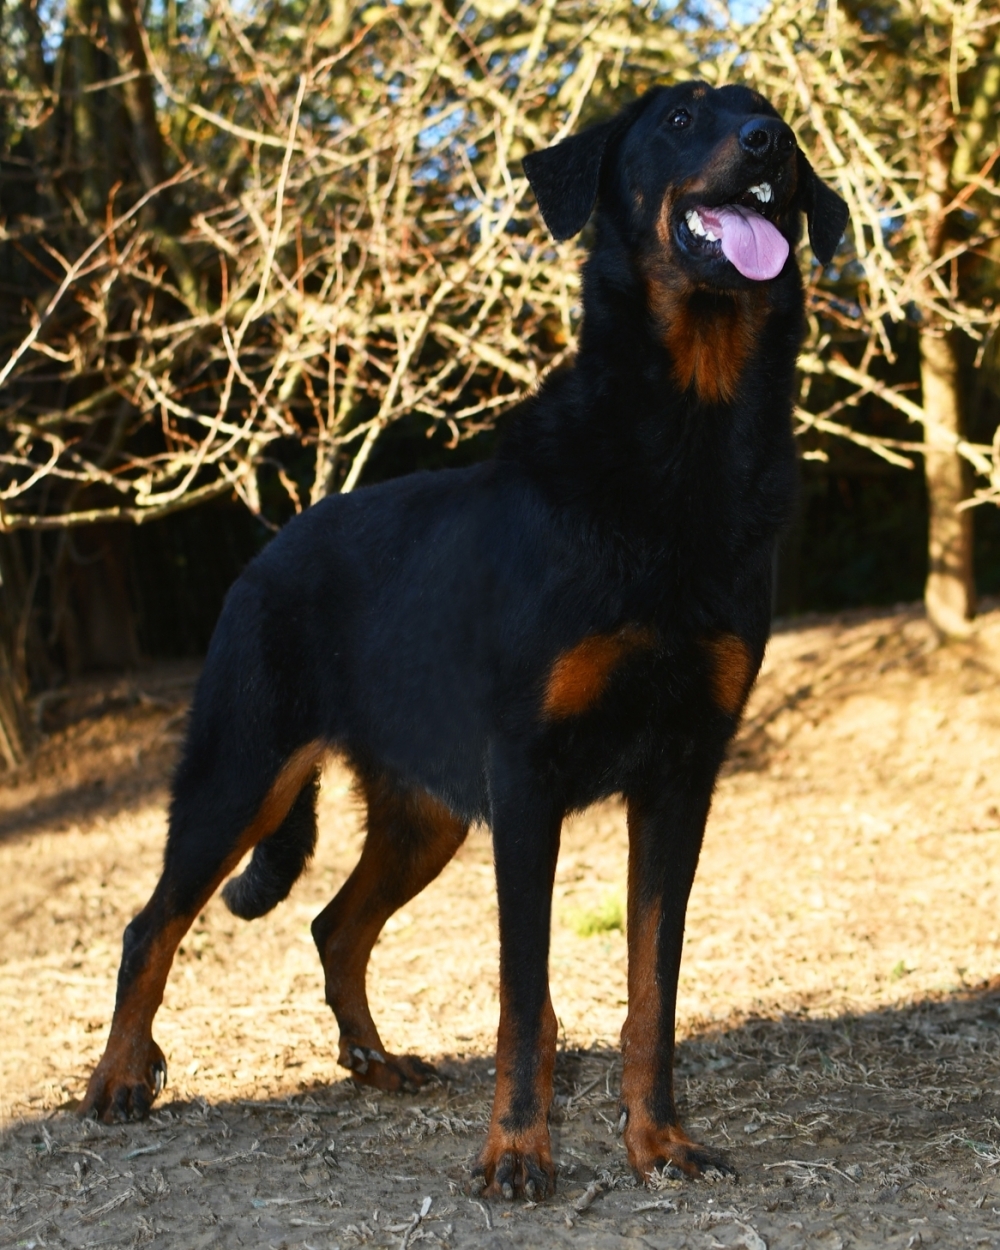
666, 1153
515, 1169
391, 1073
124, 1085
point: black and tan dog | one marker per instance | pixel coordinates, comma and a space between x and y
582, 615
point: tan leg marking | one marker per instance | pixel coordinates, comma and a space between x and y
649, 1143
516, 1157
640, 1033
132, 1070
389, 873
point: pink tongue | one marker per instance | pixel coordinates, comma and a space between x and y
753, 245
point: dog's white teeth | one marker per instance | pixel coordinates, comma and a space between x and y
698, 227
763, 192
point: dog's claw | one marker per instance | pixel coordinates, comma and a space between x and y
159, 1077
120, 1088
511, 1174
391, 1073
677, 1158
359, 1060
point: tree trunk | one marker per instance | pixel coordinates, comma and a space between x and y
137, 92
40, 75
87, 147
15, 722
950, 592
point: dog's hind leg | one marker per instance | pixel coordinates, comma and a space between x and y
211, 830
411, 837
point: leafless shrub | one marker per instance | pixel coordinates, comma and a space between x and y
358, 246
356, 243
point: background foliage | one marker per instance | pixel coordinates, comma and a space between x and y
267, 251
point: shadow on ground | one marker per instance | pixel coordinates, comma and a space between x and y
872, 1129
108, 745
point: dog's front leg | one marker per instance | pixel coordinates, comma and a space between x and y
517, 1156
666, 822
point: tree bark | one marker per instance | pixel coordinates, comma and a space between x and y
15, 722
950, 591
83, 106
44, 139
137, 92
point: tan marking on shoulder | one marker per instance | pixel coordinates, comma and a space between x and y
579, 676
731, 673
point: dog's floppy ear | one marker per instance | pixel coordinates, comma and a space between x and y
826, 213
565, 177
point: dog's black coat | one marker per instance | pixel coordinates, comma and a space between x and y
417, 626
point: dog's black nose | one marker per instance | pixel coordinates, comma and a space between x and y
766, 136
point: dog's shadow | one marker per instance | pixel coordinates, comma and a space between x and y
813, 1113
919, 1080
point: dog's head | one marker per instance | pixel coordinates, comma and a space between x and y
710, 178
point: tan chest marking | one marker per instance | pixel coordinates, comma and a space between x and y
710, 347
731, 671
580, 675
710, 337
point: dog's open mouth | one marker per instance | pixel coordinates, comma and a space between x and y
740, 232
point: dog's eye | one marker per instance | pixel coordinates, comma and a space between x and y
679, 118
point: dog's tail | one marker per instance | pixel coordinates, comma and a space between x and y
277, 861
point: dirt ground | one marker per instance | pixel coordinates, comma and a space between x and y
839, 1005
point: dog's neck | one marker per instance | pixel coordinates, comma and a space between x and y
694, 344
672, 403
